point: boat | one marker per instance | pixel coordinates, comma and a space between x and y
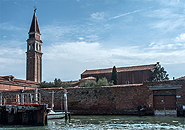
55, 115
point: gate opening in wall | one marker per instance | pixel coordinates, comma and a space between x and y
165, 105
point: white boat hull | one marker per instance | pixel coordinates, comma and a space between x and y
55, 115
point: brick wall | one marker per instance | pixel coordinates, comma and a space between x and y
119, 99
100, 100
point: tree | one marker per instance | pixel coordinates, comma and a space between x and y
92, 83
158, 74
56, 83
88, 83
97, 78
114, 76
45, 84
104, 82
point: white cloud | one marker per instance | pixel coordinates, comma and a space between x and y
57, 33
171, 2
180, 38
94, 53
173, 44
15, 55
11, 43
125, 14
166, 19
12, 61
98, 16
9, 27
68, 60
118, 16
81, 38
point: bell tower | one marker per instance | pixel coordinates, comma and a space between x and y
34, 52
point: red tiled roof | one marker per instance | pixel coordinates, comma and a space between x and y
71, 82
181, 78
120, 69
89, 78
10, 80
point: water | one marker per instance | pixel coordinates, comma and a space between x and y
108, 123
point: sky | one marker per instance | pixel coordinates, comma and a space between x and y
93, 34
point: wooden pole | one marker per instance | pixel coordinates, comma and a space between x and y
0, 98
39, 98
65, 103
30, 95
22, 96
52, 100
62, 104
36, 96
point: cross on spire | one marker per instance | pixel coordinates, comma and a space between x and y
35, 8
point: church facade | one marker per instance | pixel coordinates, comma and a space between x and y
34, 52
126, 75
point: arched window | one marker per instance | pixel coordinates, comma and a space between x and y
127, 82
32, 47
29, 47
37, 47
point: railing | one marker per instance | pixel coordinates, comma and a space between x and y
21, 98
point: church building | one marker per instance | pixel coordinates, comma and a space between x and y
126, 75
34, 52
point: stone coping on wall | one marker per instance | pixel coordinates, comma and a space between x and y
163, 87
18, 90
114, 86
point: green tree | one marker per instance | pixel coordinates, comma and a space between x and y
45, 84
88, 83
65, 85
56, 83
114, 76
97, 78
158, 74
92, 83
104, 82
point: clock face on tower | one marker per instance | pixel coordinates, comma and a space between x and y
34, 52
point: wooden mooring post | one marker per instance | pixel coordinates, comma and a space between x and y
65, 106
22, 96
52, 99
36, 96
1, 98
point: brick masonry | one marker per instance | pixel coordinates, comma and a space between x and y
133, 77
119, 99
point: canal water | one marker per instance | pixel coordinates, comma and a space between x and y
108, 123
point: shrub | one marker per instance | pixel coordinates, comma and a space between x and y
100, 82
88, 83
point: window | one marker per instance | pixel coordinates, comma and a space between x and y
29, 47
127, 82
36, 46
32, 47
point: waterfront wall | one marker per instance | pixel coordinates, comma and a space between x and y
118, 99
121, 99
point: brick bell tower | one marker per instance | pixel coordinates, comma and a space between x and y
34, 52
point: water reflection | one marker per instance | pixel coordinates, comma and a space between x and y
109, 123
